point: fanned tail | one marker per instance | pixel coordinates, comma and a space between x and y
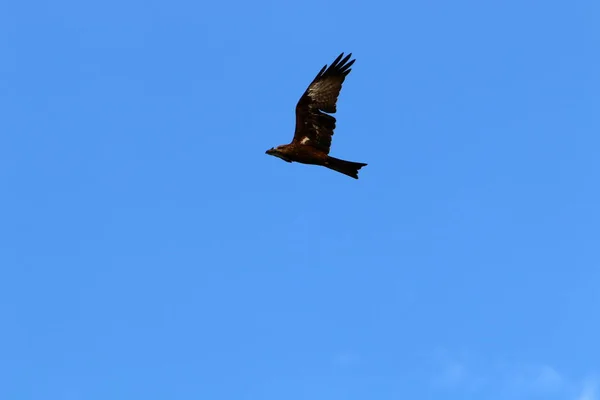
345, 167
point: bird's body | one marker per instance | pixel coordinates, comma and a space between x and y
300, 153
314, 126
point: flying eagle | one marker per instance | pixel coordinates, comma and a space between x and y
314, 125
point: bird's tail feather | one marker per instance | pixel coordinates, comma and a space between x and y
345, 167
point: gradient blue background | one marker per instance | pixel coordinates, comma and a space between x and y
149, 249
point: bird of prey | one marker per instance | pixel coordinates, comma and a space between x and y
314, 125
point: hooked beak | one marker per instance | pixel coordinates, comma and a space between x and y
269, 152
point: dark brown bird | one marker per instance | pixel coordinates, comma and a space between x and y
314, 125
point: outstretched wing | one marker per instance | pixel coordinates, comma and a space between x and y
313, 126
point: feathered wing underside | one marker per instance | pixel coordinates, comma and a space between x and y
314, 127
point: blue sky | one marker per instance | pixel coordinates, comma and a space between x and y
150, 249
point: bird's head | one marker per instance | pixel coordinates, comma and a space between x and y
277, 152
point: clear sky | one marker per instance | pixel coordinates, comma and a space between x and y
150, 249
